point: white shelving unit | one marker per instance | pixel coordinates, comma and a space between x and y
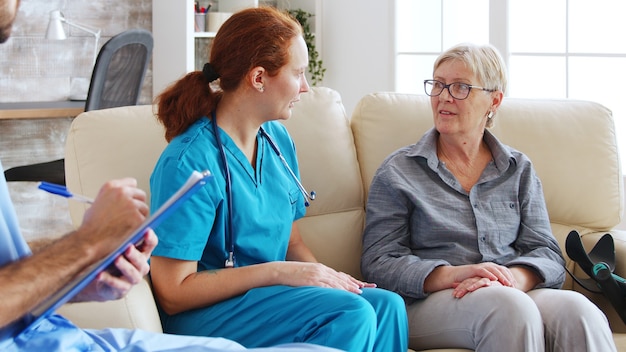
204, 34
174, 52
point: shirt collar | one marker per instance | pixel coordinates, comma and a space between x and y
426, 148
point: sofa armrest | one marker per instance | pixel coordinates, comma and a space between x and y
135, 311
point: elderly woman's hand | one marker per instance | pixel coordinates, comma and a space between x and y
491, 271
477, 275
469, 278
472, 284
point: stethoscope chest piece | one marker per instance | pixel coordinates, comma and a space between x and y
230, 262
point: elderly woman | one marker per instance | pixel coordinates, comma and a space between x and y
458, 226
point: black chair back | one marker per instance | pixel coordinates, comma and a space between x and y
120, 69
116, 80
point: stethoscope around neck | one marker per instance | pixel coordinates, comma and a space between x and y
230, 235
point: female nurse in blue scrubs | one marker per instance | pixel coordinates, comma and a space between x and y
230, 262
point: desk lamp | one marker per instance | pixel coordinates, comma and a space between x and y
56, 32
79, 86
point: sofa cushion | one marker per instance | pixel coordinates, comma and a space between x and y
135, 311
329, 166
574, 149
111, 143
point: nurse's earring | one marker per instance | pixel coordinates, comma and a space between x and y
490, 115
261, 89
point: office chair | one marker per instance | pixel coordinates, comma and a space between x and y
116, 81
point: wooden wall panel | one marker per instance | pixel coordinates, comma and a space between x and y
35, 69
24, 142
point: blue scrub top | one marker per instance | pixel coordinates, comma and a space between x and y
266, 199
12, 246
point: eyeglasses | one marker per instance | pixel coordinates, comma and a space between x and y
457, 90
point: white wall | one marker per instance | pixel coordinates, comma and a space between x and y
357, 48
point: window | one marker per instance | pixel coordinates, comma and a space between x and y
575, 45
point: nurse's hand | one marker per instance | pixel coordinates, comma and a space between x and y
316, 274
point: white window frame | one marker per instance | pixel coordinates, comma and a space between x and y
498, 37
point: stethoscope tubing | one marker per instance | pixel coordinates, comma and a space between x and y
230, 261
303, 190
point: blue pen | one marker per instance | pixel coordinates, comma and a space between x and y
63, 192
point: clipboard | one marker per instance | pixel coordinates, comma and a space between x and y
196, 181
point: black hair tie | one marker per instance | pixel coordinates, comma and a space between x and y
209, 72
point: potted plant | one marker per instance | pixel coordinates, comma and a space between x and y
316, 68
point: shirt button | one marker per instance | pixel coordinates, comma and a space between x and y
483, 239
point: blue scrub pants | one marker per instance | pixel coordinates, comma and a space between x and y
372, 321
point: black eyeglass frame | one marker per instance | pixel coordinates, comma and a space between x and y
447, 86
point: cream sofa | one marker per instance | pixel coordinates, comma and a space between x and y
572, 144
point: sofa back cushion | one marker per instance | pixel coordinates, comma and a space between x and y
137, 310
111, 143
328, 163
572, 145
574, 149
102, 145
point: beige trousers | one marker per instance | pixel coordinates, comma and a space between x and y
506, 319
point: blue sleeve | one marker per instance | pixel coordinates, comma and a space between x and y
184, 234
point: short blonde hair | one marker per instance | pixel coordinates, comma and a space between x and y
484, 61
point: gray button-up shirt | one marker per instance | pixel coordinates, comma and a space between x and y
419, 217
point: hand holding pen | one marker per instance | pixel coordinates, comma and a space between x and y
63, 192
